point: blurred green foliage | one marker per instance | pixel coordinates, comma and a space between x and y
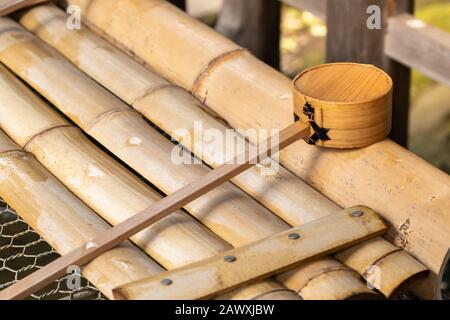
435, 13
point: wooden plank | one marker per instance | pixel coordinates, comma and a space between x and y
9, 6
262, 259
349, 39
420, 46
316, 7
253, 24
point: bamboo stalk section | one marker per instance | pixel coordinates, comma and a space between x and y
9, 6
258, 260
226, 210
410, 193
171, 108
105, 185
63, 220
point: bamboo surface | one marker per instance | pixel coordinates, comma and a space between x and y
172, 108
259, 260
410, 193
63, 220
227, 211
352, 101
108, 188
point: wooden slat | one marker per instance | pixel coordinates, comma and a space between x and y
262, 259
316, 7
9, 6
420, 46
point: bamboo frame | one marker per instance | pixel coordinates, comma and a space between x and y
227, 216
172, 108
390, 178
106, 186
63, 220
259, 260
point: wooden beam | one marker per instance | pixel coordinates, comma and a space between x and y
253, 24
316, 7
420, 46
349, 39
219, 274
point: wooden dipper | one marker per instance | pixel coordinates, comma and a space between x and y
351, 103
341, 105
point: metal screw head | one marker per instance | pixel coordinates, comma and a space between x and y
166, 282
229, 258
294, 236
357, 213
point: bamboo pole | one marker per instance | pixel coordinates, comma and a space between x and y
63, 220
171, 108
410, 193
226, 210
152, 215
108, 188
9, 6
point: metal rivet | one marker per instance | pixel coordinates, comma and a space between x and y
229, 258
166, 282
294, 236
357, 213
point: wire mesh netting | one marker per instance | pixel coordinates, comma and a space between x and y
23, 251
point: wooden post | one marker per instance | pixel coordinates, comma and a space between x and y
349, 39
179, 3
253, 24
